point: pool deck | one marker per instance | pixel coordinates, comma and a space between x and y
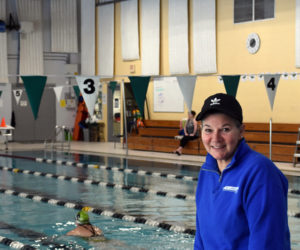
112, 149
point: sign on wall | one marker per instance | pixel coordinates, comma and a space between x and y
167, 95
17, 95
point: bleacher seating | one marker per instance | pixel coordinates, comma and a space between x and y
158, 135
284, 138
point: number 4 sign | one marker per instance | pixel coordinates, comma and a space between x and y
89, 88
271, 83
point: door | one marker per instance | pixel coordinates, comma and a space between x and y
113, 114
27, 129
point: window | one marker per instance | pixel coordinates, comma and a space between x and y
253, 10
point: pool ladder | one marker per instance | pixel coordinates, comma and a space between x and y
65, 143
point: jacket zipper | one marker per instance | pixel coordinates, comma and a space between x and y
221, 175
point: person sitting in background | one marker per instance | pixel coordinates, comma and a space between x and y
190, 132
84, 227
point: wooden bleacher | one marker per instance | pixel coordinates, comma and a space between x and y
158, 135
284, 138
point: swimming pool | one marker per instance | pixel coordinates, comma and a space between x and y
38, 200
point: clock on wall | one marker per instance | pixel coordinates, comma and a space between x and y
253, 43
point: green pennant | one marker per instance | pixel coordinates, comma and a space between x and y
34, 86
112, 85
231, 84
76, 90
139, 86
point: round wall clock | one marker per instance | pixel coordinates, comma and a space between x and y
253, 43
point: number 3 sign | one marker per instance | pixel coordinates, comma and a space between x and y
271, 83
89, 87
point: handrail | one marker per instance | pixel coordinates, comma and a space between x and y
63, 144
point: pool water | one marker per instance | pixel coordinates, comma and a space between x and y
54, 221
44, 226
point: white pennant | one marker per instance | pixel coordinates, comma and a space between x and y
187, 85
58, 91
271, 83
18, 94
89, 88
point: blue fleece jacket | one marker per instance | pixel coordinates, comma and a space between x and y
245, 207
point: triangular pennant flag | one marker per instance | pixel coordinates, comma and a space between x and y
139, 86
187, 85
0, 93
271, 83
112, 85
77, 91
18, 94
34, 86
58, 91
231, 84
89, 88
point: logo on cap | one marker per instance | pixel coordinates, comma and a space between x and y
215, 101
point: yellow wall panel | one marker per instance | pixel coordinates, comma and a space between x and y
276, 55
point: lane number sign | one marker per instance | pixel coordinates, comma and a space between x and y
271, 84
90, 86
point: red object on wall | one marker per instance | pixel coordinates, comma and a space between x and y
82, 114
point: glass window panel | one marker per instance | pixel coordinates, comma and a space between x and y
264, 9
242, 11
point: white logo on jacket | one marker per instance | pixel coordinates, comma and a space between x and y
231, 189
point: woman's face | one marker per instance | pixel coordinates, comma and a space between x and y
220, 136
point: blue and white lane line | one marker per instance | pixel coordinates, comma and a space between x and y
294, 191
99, 211
15, 244
124, 187
116, 169
101, 183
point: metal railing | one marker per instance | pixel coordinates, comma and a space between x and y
65, 142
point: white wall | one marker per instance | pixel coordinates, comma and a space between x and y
65, 116
54, 64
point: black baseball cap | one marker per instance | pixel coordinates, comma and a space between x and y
222, 103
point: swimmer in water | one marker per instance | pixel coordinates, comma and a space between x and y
84, 228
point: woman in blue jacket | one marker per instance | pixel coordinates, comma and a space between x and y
241, 196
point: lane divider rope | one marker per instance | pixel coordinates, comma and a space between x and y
100, 183
18, 157
294, 191
126, 170
15, 244
84, 165
99, 211
294, 214
33, 235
